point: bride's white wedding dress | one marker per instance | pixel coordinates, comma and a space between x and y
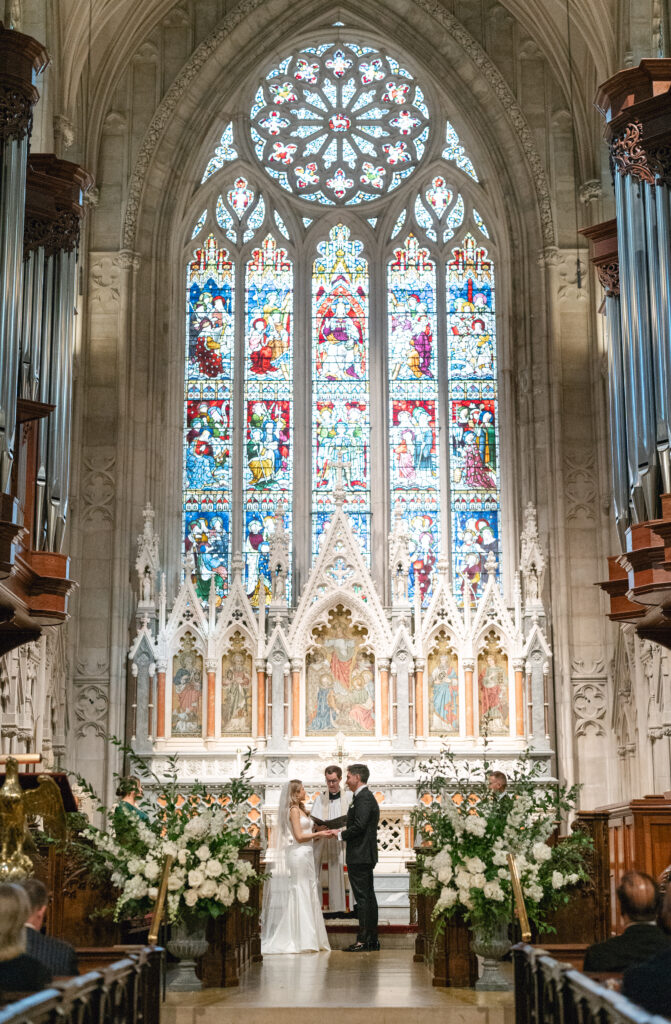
292, 922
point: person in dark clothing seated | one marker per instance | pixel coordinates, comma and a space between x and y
642, 938
648, 984
58, 956
18, 971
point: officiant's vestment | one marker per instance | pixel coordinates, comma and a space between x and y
361, 838
329, 853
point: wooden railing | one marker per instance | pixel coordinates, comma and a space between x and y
550, 992
125, 992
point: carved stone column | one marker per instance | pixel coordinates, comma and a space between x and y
160, 700
469, 667
211, 667
261, 697
296, 697
518, 668
419, 697
384, 697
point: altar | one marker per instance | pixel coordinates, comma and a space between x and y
339, 678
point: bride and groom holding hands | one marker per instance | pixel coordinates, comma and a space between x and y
291, 918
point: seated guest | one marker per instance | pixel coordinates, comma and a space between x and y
639, 899
58, 956
648, 984
18, 971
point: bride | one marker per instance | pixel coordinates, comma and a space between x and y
291, 918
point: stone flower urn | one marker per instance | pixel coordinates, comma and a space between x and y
491, 944
187, 943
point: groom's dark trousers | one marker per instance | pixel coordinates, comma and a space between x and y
360, 835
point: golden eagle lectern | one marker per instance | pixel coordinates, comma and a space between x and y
16, 806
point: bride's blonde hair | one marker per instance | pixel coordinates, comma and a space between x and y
295, 786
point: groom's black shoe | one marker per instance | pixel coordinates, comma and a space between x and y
357, 947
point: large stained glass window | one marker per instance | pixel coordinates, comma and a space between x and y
206, 500
473, 411
340, 385
268, 404
413, 407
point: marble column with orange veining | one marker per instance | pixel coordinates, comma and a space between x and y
160, 700
419, 697
518, 667
261, 697
296, 697
384, 697
469, 666
211, 667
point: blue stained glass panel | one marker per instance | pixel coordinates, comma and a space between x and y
341, 385
413, 408
268, 454
473, 403
207, 443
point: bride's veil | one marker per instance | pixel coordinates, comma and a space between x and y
276, 888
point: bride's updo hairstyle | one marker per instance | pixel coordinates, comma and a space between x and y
295, 786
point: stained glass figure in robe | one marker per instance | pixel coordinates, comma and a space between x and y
268, 408
473, 404
413, 413
340, 387
207, 417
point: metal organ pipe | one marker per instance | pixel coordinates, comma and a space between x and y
662, 334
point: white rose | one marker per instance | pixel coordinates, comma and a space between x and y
196, 877
190, 897
174, 882
557, 880
213, 868
208, 888
225, 894
493, 891
181, 857
203, 852
572, 879
541, 852
151, 870
242, 893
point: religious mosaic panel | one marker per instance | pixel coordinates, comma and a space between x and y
443, 676
187, 689
236, 689
493, 689
413, 399
473, 411
207, 417
268, 403
340, 680
340, 385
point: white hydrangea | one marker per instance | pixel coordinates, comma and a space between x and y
134, 866
151, 870
447, 899
152, 892
196, 828
196, 877
190, 897
503, 873
541, 852
475, 826
533, 891
181, 856
572, 879
428, 882
246, 869
203, 852
445, 874
462, 879
493, 891
499, 857
135, 888
442, 858
557, 880
474, 865
478, 880
170, 849
175, 882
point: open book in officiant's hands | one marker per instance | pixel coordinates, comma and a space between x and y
334, 823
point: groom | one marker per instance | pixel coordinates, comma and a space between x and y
360, 834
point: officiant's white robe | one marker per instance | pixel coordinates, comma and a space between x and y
330, 853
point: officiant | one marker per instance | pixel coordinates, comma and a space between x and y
330, 804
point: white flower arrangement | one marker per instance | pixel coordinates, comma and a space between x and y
204, 839
468, 834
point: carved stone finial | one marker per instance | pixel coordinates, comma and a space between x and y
147, 563
237, 565
532, 562
399, 559
339, 489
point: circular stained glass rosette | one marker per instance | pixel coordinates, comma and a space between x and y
339, 124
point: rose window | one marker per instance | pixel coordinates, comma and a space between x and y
339, 123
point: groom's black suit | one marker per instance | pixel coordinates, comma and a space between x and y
360, 834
